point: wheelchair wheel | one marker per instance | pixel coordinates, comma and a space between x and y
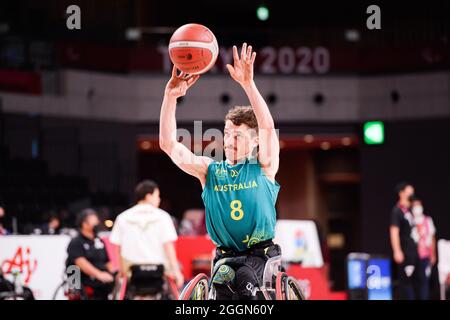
172, 289
59, 289
287, 288
196, 289
120, 288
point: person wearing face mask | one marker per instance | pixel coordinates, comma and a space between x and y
88, 252
404, 239
426, 246
3, 230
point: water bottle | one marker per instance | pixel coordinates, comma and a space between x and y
18, 288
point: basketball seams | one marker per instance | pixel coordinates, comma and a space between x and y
193, 48
211, 46
191, 32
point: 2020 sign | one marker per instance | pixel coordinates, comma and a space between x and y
284, 60
288, 60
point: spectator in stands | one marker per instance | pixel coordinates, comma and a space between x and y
52, 226
145, 234
88, 252
3, 230
65, 218
426, 245
404, 239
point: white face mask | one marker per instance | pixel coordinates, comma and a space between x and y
417, 211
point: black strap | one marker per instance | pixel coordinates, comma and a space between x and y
258, 249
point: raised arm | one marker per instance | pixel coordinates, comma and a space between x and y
269, 145
187, 161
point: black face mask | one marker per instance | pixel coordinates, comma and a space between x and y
96, 229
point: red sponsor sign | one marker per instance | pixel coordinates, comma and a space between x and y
21, 262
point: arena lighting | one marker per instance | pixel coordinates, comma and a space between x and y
309, 138
352, 35
262, 12
133, 34
109, 224
146, 145
325, 145
374, 132
346, 141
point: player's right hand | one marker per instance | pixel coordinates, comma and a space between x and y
179, 83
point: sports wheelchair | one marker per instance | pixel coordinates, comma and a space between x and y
276, 284
147, 282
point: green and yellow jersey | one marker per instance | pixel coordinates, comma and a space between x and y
240, 204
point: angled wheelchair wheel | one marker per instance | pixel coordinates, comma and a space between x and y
172, 289
59, 289
287, 288
120, 288
196, 289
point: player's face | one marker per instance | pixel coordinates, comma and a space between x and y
238, 141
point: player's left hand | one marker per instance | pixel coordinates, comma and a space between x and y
242, 70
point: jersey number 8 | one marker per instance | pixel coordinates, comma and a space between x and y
236, 210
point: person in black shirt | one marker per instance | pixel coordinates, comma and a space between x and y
404, 239
88, 252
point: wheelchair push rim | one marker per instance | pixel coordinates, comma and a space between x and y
196, 289
287, 288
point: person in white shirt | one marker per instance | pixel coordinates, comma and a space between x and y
426, 245
145, 234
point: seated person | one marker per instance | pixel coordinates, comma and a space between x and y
144, 236
88, 252
3, 230
9, 291
240, 191
51, 227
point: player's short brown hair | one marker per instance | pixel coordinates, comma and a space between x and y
242, 115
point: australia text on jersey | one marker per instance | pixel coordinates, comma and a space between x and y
236, 186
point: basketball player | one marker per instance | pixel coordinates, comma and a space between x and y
239, 194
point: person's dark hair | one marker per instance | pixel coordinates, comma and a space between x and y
401, 186
414, 198
83, 215
143, 188
53, 216
242, 115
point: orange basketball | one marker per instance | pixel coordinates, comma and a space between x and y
193, 48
